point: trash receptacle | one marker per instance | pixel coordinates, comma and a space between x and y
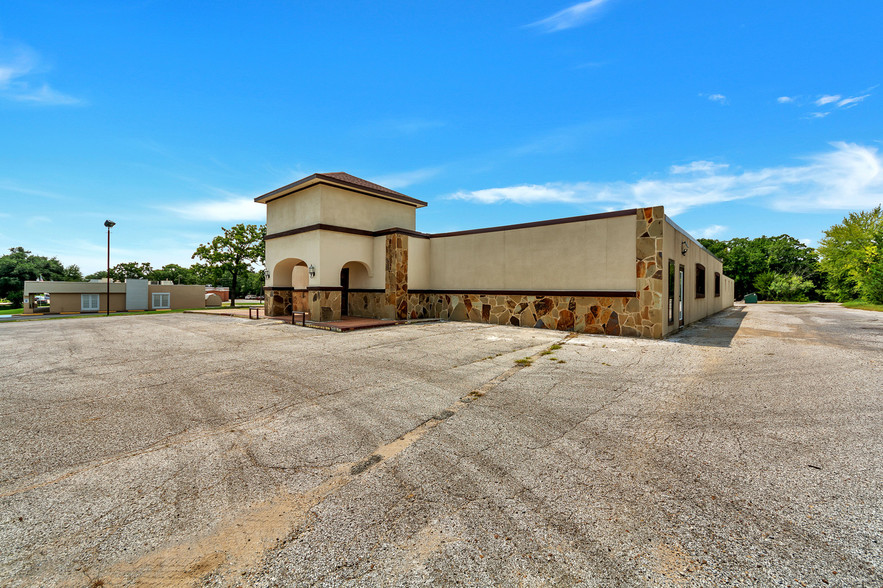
751, 299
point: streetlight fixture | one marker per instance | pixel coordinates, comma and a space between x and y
108, 224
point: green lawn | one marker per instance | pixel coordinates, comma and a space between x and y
11, 311
862, 305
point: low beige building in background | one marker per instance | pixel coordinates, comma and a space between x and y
340, 245
131, 295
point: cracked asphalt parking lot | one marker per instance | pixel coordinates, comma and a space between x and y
195, 450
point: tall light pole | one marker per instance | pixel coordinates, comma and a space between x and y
108, 224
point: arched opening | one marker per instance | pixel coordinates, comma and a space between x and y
358, 274
353, 274
291, 273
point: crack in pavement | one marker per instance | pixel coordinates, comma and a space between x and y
241, 543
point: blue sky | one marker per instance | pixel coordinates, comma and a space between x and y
742, 118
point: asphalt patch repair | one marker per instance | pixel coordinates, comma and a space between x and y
162, 450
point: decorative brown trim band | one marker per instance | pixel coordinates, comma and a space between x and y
398, 230
284, 289
320, 227
538, 293
368, 290
419, 235
324, 289
336, 183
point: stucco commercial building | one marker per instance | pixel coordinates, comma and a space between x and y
129, 295
339, 245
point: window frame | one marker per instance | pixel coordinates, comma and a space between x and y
700, 281
90, 308
671, 291
717, 284
153, 298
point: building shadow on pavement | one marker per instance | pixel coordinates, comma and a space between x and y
717, 330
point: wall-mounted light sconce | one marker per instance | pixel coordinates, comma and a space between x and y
684, 247
266, 274
312, 271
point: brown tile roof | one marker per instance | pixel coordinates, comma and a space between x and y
347, 180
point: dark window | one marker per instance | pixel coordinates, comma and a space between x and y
700, 280
671, 291
717, 285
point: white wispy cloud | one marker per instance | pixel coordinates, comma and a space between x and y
825, 104
229, 209
827, 99
709, 232
847, 177
400, 180
698, 167
20, 78
573, 16
400, 126
851, 101
11, 186
719, 98
34, 221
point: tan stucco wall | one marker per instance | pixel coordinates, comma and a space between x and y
587, 255
419, 263
73, 287
337, 249
359, 211
304, 247
69, 302
65, 296
297, 210
182, 296
332, 206
694, 308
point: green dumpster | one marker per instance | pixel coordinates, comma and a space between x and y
751, 299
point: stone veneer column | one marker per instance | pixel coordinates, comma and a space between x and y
396, 277
648, 269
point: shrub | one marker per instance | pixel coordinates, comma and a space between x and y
791, 287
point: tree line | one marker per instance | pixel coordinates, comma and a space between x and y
230, 260
847, 265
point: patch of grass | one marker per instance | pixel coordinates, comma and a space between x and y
862, 305
525, 362
561, 361
554, 347
11, 311
553, 358
547, 352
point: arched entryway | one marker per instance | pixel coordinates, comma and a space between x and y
353, 275
287, 290
291, 273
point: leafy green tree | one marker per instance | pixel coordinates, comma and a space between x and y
99, 275
72, 273
754, 263
174, 273
848, 251
762, 284
19, 266
872, 287
236, 251
130, 270
790, 287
